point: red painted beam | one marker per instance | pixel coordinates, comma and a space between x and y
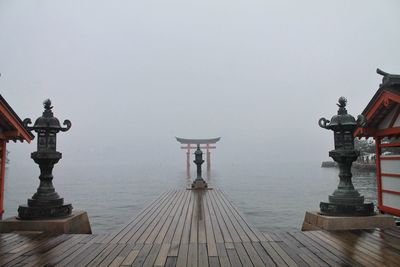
390, 191
391, 174
389, 210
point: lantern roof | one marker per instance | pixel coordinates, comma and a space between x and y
11, 126
382, 111
47, 122
342, 121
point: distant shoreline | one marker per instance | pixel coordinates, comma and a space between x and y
356, 165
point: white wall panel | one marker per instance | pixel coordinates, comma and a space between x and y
391, 183
391, 200
390, 166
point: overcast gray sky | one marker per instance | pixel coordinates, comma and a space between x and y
131, 75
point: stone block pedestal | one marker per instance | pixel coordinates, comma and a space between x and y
315, 221
199, 184
77, 223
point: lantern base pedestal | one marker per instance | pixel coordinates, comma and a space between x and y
340, 209
315, 221
77, 223
42, 212
199, 185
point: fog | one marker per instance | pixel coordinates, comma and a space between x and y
132, 75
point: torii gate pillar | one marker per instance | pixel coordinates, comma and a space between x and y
208, 158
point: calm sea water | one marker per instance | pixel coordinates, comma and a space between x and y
271, 197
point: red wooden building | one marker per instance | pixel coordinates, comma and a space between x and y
11, 128
383, 124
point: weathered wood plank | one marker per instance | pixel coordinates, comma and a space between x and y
151, 232
202, 255
331, 261
294, 253
192, 255
121, 232
141, 257
128, 232
171, 221
53, 253
380, 252
214, 222
141, 234
171, 262
253, 233
232, 231
174, 233
265, 257
122, 255
210, 238
184, 235
272, 253
162, 255
152, 255
253, 255
131, 257
223, 255
238, 227
224, 229
182, 255
179, 218
234, 258
331, 251
196, 214
357, 250
342, 250
244, 258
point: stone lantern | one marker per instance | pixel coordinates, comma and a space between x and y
46, 203
345, 200
199, 183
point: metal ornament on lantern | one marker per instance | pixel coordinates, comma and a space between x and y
345, 200
46, 203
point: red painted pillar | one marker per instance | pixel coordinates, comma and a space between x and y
3, 156
378, 170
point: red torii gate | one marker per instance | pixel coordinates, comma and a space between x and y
192, 144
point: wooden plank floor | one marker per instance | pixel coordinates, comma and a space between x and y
189, 228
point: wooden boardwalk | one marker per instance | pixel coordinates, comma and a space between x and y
189, 228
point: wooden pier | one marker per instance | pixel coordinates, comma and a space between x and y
192, 228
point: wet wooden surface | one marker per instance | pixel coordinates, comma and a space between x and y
189, 228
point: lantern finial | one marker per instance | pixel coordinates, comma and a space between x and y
47, 104
342, 105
